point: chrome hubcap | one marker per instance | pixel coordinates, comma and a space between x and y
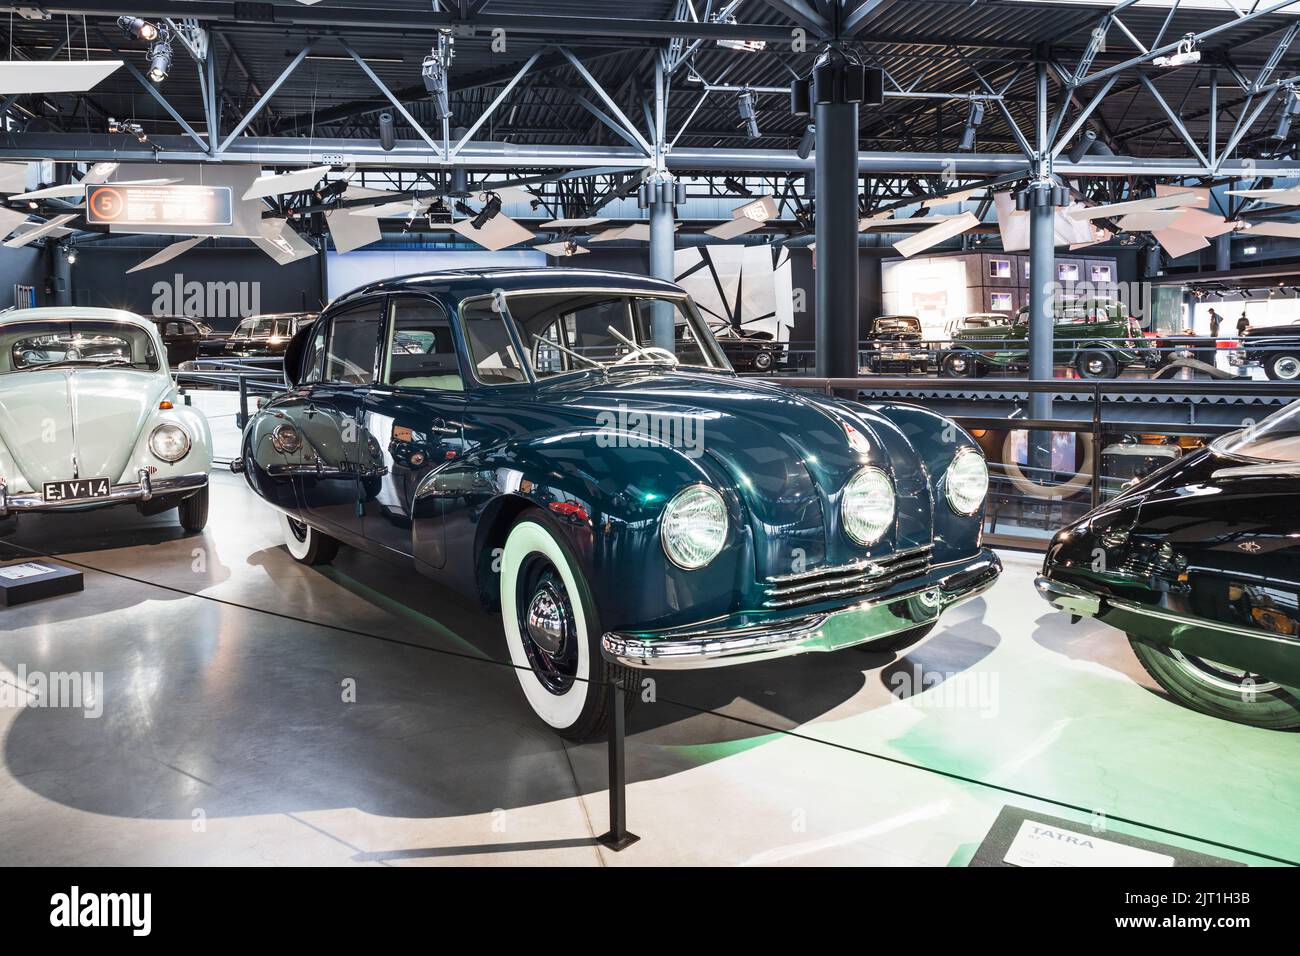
1224, 676
546, 625
1287, 367
1095, 367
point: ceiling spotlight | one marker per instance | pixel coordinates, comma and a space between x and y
330, 189
807, 141
1290, 110
489, 211
69, 253
973, 121
748, 116
160, 59
1185, 54
138, 29
465, 209
434, 73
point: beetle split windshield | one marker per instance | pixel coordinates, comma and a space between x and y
69, 342
1275, 439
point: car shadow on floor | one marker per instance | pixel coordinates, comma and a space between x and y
232, 712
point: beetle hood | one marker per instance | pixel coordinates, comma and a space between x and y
788, 454
48, 417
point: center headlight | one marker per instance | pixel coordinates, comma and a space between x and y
169, 442
967, 482
694, 527
868, 505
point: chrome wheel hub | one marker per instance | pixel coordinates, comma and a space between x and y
546, 620
1287, 368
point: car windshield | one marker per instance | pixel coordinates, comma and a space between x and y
1275, 439
69, 342
566, 331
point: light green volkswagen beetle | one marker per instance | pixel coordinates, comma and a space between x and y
90, 417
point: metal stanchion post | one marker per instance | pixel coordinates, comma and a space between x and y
242, 415
618, 837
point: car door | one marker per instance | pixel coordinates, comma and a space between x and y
414, 413
348, 462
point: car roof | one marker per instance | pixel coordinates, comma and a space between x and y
74, 312
462, 283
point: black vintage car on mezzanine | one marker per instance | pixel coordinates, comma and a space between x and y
520, 437
1199, 564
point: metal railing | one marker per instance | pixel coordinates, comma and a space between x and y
249, 376
1097, 431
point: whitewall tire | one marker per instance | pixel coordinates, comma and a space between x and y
305, 543
552, 631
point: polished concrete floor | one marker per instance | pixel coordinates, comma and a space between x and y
237, 729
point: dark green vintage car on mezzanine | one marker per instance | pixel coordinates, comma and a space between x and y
518, 436
1095, 337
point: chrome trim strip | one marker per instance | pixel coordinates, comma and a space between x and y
142, 490
868, 621
852, 566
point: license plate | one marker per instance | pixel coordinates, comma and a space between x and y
898, 356
77, 490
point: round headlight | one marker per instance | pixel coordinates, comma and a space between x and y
169, 442
967, 482
286, 439
694, 527
868, 505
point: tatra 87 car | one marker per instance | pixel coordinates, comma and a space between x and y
520, 437
90, 417
1200, 565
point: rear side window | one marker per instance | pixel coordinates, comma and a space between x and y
313, 361
354, 346
421, 350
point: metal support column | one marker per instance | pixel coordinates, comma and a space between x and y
1223, 252
661, 257
618, 837
836, 118
1042, 263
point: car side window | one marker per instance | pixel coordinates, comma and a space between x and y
313, 362
354, 345
492, 350
421, 350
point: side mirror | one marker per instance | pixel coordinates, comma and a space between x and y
293, 354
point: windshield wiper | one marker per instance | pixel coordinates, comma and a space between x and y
570, 352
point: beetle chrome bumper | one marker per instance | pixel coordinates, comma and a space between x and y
861, 623
144, 489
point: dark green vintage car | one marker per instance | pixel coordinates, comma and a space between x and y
1095, 337
519, 437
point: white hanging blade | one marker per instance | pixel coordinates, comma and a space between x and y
402, 207
1183, 198
361, 192
608, 235
286, 183
760, 210
865, 224
10, 219
954, 226
1283, 230
574, 223
69, 190
13, 177
640, 232
281, 243
1178, 243
561, 249
736, 227
1282, 197
53, 76
954, 197
39, 232
99, 173
167, 254
1202, 193
1146, 221
508, 194
351, 232
499, 232
1202, 223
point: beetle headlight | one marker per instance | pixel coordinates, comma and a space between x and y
169, 442
967, 482
694, 527
868, 505
286, 439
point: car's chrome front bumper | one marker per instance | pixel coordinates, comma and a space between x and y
1068, 597
145, 489
869, 620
